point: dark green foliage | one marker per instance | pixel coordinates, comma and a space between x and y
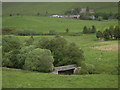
72, 55
67, 30
10, 15
23, 54
39, 60
106, 34
89, 30
52, 32
109, 34
63, 53
85, 30
99, 34
93, 30
10, 59
11, 47
38, 14
111, 30
87, 69
116, 32
29, 41
10, 43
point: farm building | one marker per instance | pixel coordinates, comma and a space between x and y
68, 69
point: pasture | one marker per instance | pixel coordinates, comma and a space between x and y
32, 8
27, 79
45, 24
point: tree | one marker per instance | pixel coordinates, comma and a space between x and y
99, 34
10, 15
67, 30
85, 30
10, 48
10, 59
116, 32
93, 30
72, 55
63, 53
106, 34
10, 43
38, 14
23, 54
39, 60
111, 29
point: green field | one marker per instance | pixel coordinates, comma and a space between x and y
45, 24
26, 79
32, 8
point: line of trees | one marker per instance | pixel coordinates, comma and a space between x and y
89, 30
109, 33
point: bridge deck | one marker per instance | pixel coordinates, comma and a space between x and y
63, 68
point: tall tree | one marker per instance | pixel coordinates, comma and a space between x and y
106, 34
99, 34
85, 30
93, 30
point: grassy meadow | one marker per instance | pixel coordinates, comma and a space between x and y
27, 79
32, 8
45, 24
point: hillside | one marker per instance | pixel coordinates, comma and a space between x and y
32, 8
45, 24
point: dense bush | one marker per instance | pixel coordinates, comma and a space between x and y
99, 34
10, 50
29, 41
63, 52
39, 60
109, 33
10, 43
87, 69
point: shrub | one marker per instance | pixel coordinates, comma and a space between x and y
87, 69
23, 54
8, 31
106, 34
63, 53
29, 41
52, 32
10, 43
99, 34
39, 60
72, 55
10, 59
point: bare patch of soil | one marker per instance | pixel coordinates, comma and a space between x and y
111, 47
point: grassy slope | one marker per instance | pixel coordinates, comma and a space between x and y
32, 8
44, 24
22, 79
